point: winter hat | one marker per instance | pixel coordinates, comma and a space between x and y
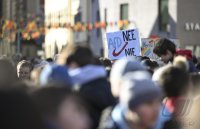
181, 62
157, 74
137, 89
122, 66
55, 74
186, 53
41, 64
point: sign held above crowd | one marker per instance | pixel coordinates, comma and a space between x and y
123, 43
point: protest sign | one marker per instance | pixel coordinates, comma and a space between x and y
148, 44
123, 43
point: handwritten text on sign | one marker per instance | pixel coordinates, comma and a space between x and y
123, 43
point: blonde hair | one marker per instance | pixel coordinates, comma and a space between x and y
181, 62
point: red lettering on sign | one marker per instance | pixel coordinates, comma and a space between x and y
118, 53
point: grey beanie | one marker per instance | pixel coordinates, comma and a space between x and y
138, 88
125, 65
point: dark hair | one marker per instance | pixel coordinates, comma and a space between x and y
48, 99
80, 55
147, 62
97, 61
49, 60
145, 58
156, 65
150, 64
106, 62
163, 45
18, 111
174, 81
25, 63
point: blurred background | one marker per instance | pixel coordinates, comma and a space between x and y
41, 28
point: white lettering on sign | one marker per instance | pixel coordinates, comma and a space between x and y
192, 26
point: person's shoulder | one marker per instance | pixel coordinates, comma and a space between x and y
97, 83
172, 124
99, 80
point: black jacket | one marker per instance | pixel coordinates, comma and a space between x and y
98, 95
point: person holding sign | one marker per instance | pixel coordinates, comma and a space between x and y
166, 50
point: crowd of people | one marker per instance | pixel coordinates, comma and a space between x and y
76, 90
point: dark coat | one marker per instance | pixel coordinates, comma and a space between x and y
98, 95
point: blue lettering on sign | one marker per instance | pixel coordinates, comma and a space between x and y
115, 43
128, 35
129, 52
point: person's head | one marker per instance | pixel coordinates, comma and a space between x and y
24, 69
165, 49
145, 58
174, 81
35, 75
76, 56
106, 62
50, 60
140, 99
150, 65
49, 98
8, 72
18, 111
60, 107
56, 74
181, 62
119, 69
74, 114
155, 64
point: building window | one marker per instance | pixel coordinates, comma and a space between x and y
78, 17
163, 15
98, 20
124, 12
1, 9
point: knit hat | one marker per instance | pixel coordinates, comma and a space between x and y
186, 53
157, 74
122, 66
55, 74
137, 89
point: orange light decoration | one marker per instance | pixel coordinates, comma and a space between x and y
35, 35
89, 26
103, 25
126, 22
111, 24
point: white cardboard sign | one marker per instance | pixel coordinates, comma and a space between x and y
123, 43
